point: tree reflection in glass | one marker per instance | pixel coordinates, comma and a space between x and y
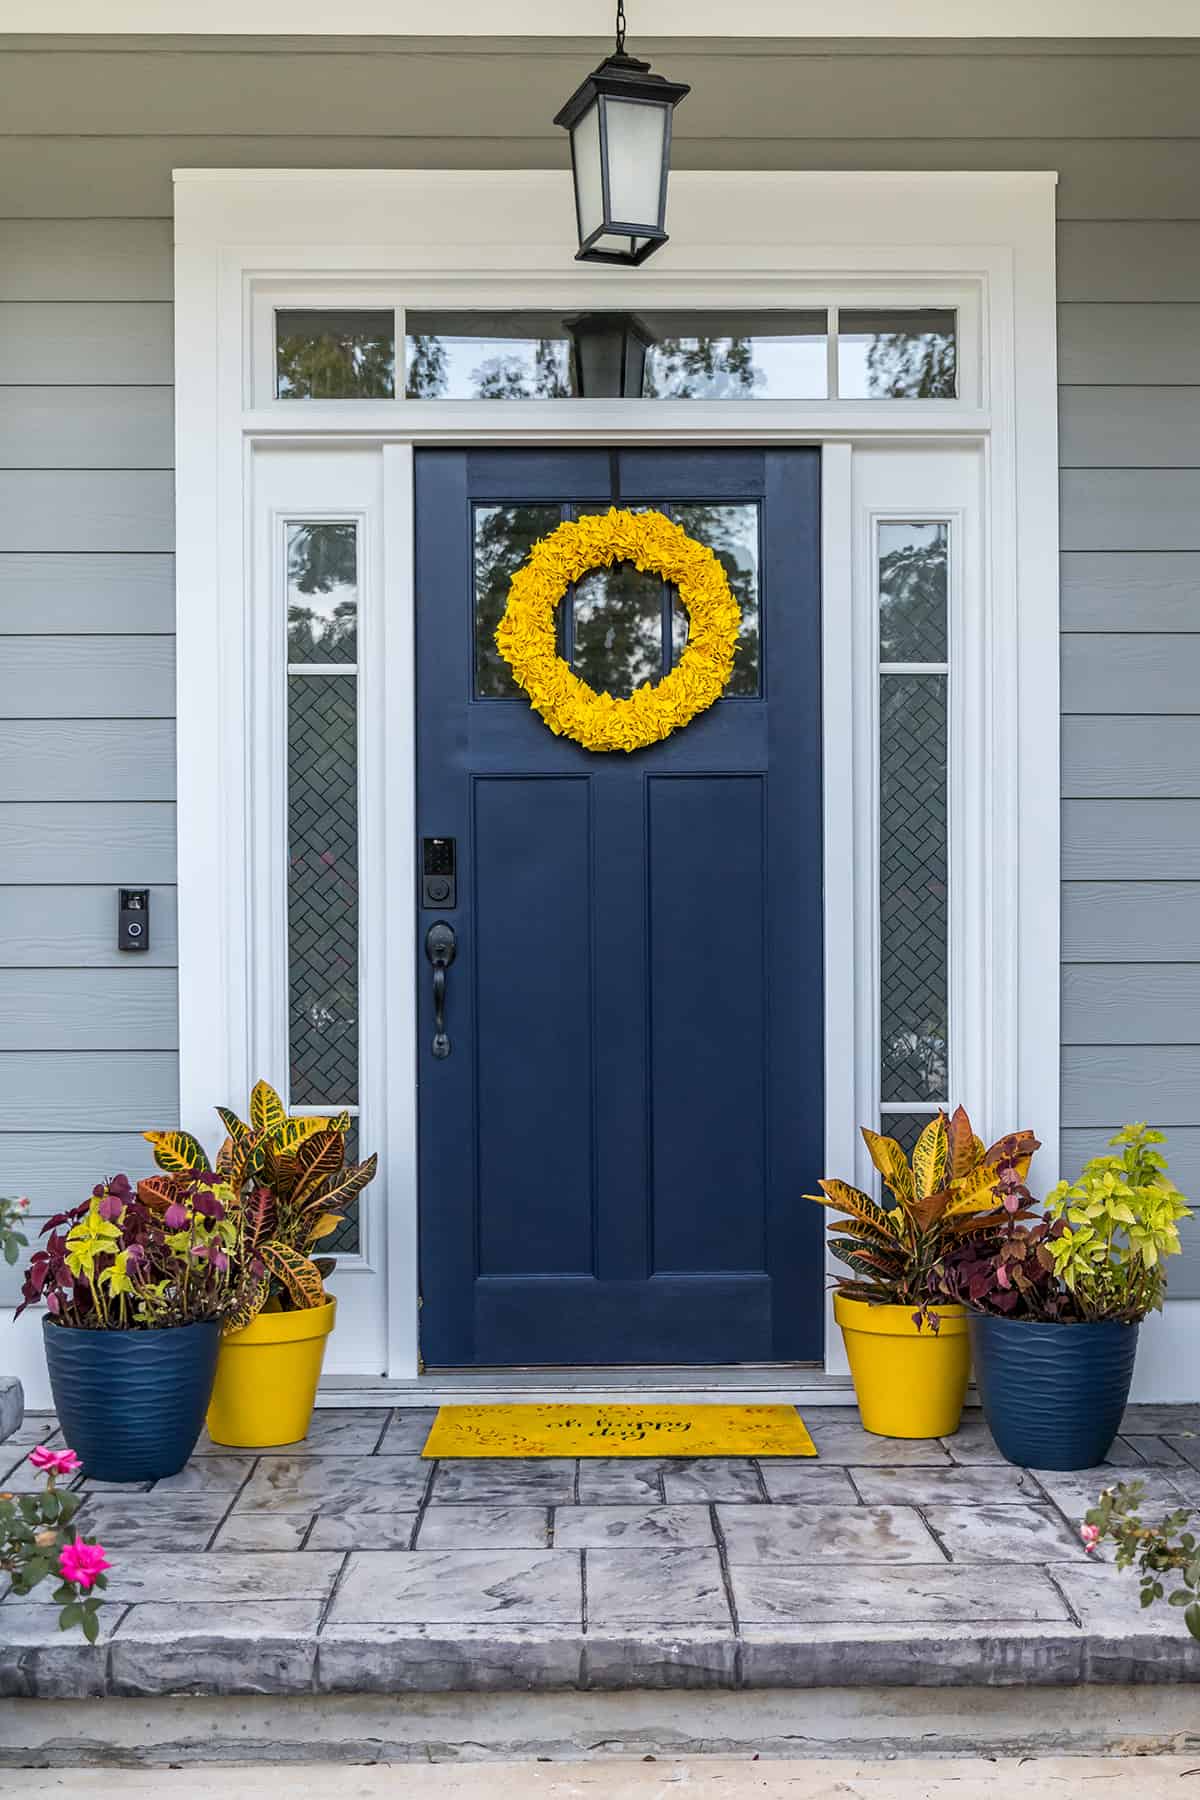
322, 592
913, 575
731, 533
617, 629
504, 536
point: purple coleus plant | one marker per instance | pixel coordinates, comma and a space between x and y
118, 1263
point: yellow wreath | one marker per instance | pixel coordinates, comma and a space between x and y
527, 642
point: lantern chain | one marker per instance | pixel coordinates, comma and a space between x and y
620, 27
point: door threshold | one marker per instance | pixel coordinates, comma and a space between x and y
750, 1384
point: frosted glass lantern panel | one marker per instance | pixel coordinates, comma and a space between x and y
589, 190
635, 161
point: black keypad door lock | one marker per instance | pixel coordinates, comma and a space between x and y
439, 876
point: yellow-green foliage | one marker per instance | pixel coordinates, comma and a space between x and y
1122, 1218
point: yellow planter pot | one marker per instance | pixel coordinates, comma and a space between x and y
908, 1383
267, 1377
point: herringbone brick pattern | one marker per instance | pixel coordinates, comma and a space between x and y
913, 870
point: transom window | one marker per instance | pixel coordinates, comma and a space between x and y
813, 353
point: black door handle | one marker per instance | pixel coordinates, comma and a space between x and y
441, 947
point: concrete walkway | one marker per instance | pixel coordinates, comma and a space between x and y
1059, 1778
351, 1566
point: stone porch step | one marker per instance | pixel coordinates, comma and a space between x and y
351, 1567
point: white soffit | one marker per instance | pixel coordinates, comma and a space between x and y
594, 18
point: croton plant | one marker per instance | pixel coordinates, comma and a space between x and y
953, 1192
290, 1185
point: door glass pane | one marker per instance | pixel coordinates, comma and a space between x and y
906, 1128
345, 1239
913, 877
322, 593
897, 354
913, 581
504, 536
711, 355
335, 355
731, 533
617, 629
322, 823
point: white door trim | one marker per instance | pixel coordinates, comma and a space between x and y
246, 238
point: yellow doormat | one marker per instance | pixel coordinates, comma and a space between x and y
574, 1430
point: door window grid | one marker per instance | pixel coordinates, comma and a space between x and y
912, 561
616, 628
322, 559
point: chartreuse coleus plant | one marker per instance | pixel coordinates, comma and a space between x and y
953, 1191
1122, 1218
291, 1186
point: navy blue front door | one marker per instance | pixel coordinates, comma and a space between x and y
613, 1153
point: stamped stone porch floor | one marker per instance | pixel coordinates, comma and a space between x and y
349, 1565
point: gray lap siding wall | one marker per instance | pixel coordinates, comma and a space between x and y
89, 132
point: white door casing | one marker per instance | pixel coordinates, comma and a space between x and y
987, 461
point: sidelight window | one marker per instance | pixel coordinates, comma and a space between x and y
322, 561
913, 624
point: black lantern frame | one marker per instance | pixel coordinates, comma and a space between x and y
608, 355
624, 78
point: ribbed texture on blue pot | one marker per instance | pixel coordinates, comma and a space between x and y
1053, 1395
131, 1403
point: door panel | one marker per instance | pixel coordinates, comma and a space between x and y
613, 1154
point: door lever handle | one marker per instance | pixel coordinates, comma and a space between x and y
441, 947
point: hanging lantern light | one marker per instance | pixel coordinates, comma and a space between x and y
608, 355
619, 119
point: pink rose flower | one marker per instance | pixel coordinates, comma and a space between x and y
1091, 1537
55, 1462
81, 1563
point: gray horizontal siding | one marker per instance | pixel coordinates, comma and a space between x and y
1129, 427
86, 427
1130, 509
59, 1167
85, 259
88, 841
1130, 758
1130, 1003
128, 177
87, 144
88, 1009
1130, 259
1123, 591
94, 509
495, 89
1127, 345
1115, 672
87, 759
94, 1090
76, 928
85, 592
62, 677
1131, 840
106, 343
1131, 1081
1126, 921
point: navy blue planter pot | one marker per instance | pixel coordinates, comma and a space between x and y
131, 1403
1053, 1395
